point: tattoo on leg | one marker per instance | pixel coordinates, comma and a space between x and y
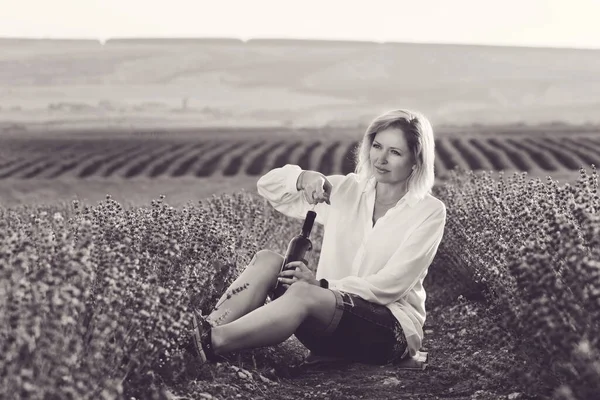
236, 290
232, 293
219, 320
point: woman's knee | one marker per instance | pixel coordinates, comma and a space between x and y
305, 294
266, 261
269, 257
318, 303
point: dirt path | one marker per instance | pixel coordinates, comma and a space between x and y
464, 363
452, 371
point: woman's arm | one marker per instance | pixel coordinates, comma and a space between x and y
402, 272
279, 187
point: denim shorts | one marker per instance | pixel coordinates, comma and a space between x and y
359, 331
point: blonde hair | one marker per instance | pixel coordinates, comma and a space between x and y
419, 136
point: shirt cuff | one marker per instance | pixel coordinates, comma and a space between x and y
293, 179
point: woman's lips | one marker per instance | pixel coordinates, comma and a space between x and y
382, 171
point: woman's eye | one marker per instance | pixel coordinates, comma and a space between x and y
393, 151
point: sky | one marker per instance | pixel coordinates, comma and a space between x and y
537, 23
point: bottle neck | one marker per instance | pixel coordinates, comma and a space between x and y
305, 232
308, 223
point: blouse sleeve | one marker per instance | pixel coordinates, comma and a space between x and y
278, 187
404, 269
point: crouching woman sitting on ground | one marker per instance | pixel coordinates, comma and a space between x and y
382, 228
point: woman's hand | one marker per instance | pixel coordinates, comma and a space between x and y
301, 273
315, 186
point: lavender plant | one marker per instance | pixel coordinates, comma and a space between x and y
96, 299
534, 247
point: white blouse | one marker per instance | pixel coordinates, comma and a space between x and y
385, 263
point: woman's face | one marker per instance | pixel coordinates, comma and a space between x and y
391, 154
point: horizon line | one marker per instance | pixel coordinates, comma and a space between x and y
103, 42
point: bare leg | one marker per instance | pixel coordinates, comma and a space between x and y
260, 277
278, 320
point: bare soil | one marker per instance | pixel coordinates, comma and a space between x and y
463, 364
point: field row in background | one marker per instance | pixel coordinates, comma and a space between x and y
131, 158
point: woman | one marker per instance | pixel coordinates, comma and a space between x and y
382, 228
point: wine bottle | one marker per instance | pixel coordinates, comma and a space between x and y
297, 249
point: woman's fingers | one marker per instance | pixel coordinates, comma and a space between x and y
287, 273
319, 197
302, 267
298, 270
313, 196
294, 264
287, 277
319, 191
286, 281
324, 190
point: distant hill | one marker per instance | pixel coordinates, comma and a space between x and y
222, 81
